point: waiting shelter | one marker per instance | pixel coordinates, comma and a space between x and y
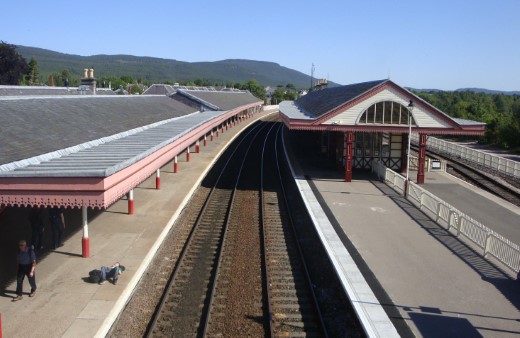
371, 121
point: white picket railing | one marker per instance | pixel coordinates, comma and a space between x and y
490, 242
499, 164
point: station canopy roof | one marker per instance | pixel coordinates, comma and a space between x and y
375, 106
89, 149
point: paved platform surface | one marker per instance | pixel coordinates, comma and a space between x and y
490, 210
66, 305
424, 277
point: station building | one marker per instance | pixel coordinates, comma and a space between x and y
359, 124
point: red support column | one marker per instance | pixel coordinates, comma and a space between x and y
339, 151
404, 149
158, 179
211, 136
85, 243
204, 140
349, 139
188, 154
175, 164
216, 134
422, 158
131, 202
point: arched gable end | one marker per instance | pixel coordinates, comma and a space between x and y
351, 113
386, 112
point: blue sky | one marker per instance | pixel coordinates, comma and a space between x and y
422, 44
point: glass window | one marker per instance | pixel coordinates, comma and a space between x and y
396, 113
380, 108
387, 116
386, 112
370, 114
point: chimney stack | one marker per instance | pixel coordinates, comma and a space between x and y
89, 79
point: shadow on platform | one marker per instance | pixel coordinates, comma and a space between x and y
15, 225
488, 271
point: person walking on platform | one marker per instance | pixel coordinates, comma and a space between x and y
38, 227
58, 224
111, 272
26, 259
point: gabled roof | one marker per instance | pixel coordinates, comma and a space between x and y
320, 102
340, 108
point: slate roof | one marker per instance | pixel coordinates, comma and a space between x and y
220, 100
103, 158
33, 126
47, 90
464, 122
320, 102
292, 111
159, 89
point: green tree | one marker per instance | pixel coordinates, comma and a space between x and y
501, 113
127, 79
33, 74
12, 65
278, 96
255, 88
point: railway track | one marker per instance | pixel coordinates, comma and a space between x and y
477, 177
293, 306
184, 308
242, 271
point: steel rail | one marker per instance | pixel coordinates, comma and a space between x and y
273, 326
300, 251
265, 270
222, 246
188, 243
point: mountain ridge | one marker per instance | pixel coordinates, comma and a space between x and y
157, 70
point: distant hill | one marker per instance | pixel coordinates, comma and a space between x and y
475, 90
157, 70
488, 91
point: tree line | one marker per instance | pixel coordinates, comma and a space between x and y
500, 112
14, 70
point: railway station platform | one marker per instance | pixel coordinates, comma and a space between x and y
66, 304
429, 282
490, 210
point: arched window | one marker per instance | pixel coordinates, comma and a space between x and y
386, 112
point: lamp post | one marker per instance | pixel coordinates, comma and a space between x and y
410, 109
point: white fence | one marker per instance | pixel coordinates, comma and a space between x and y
455, 221
497, 163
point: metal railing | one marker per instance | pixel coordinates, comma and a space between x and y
461, 225
499, 164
